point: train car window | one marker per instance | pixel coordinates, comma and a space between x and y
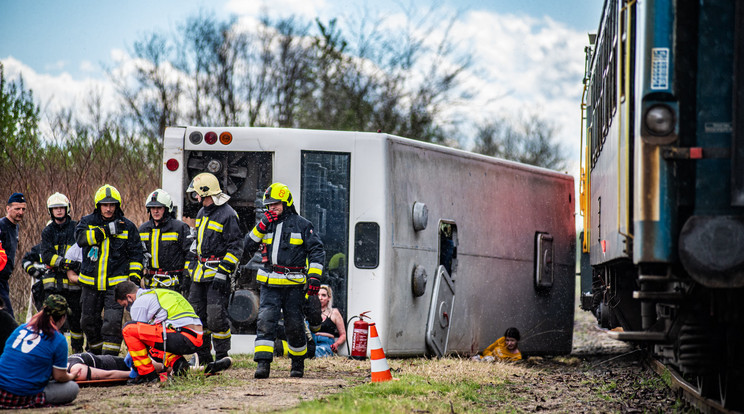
325, 202
366, 245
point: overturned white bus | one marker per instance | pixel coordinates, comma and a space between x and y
446, 248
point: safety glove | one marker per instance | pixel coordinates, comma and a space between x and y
220, 282
313, 286
36, 270
115, 227
270, 216
68, 264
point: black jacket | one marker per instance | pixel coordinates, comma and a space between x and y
9, 239
219, 242
122, 253
167, 242
291, 244
55, 240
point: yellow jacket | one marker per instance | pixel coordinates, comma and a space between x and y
498, 351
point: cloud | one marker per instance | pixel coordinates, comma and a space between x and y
56, 92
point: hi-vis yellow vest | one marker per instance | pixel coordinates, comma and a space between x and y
174, 304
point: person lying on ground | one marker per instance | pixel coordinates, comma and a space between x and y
86, 366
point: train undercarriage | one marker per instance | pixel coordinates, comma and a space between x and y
696, 330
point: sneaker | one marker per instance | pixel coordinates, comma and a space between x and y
263, 369
298, 368
217, 366
180, 367
150, 378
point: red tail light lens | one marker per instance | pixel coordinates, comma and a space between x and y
171, 164
210, 137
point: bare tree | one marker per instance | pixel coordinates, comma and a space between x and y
528, 140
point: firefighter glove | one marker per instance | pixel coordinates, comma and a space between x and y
36, 270
270, 216
220, 282
115, 227
313, 286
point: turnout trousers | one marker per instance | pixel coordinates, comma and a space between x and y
275, 302
104, 335
211, 306
141, 336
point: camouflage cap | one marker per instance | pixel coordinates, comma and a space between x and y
56, 305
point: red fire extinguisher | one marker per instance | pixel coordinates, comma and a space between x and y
360, 334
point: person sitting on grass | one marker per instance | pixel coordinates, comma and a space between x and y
34, 352
504, 349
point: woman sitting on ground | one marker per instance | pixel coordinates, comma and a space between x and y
332, 330
504, 349
34, 352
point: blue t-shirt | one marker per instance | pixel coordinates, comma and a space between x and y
26, 364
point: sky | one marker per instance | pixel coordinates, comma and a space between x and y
529, 54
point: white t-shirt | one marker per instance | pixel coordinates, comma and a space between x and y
146, 308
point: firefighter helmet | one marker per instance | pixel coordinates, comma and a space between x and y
159, 198
205, 184
59, 200
277, 193
107, 194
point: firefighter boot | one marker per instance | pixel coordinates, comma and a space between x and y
152, 377
263, 369
298, 367
219, 365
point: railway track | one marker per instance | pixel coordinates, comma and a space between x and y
687, 391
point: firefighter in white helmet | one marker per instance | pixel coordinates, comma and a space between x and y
56, 238
112, 253
167, 243
219, 244
295, 258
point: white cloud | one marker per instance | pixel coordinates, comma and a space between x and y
56, 92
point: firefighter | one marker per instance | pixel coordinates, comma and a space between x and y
291, 243
112, 253
167, 243
32, 264
219, 244
164, 322
56, 239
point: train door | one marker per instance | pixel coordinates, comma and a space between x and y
325, 179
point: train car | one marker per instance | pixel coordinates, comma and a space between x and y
662, 185
445, 248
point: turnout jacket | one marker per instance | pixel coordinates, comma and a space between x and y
291, 245
118, 256
168, 244
55, 240
219, 242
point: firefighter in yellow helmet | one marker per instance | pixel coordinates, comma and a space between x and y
295, 257
112, 253
167, 243
219, 244
56, 238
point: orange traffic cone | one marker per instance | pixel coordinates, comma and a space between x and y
380, 368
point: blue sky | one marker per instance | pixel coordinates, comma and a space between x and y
77, 36
529, 54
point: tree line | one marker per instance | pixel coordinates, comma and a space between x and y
282, 72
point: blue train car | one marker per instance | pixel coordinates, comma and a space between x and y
662, 185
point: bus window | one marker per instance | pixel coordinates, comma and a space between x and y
325, 202
366, 245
